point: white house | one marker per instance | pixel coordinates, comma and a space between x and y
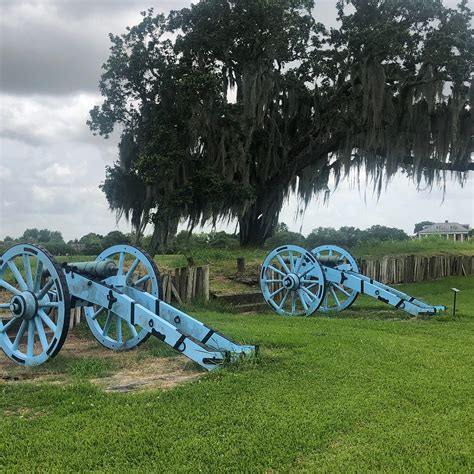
452, 230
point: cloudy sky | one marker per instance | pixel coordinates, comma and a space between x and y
51, 52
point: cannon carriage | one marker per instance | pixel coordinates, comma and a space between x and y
120, 294
295, 281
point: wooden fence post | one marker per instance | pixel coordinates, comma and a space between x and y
240, 264
205, 282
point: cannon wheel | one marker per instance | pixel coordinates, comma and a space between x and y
292, 281
337, 296
135, 268
34, 305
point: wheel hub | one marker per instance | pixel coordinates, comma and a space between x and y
291, 282
24, 306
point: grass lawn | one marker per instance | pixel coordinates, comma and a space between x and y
368, 390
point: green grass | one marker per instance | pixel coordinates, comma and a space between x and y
90, 367
366, 390
425, 247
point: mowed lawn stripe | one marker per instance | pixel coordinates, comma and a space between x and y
325, 394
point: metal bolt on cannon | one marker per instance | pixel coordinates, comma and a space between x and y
120, 293
295, 281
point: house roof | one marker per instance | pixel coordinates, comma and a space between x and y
445, 228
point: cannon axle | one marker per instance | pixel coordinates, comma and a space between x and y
24, 305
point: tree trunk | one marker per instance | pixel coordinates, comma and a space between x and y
163, 232
259, 221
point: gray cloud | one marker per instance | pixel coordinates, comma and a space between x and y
58, 47
41, 120
53, 186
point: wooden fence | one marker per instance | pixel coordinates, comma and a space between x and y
186, 284
412, 268
183, 285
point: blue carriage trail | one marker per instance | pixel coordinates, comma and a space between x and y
120, 293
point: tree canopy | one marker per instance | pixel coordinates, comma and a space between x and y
421, 225
248, 101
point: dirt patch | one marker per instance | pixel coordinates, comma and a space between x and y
134, 370
164, 373
23, 412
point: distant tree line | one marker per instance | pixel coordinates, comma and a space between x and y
93, 244
344, 236
53, 241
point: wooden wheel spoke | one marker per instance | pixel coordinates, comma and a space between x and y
45, 289
38, 275
303, 300
41, 333
142, 280
108, 322
336, 299
301, 275
276, 292
7, 326
16, 273
27, 267
312, 296
48, 304
20, 334
283, 301
300, 262
342, 289
9, 287
120, 263
98, 313
132, 329
47, 320
132, 269
314, 281
276, 270
283, 264
118, 328
31, 338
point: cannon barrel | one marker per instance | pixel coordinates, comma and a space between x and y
328, 259
102, 269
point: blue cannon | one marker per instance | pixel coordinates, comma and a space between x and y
120, 293
295, 281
